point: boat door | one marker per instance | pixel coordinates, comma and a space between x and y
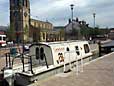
40, 56
39, 51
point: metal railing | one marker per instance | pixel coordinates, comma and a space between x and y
79, 67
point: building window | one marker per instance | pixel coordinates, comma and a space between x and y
23, 3
43, 35
40, 25
26, 3
49, 27
86, 48
13, 1
35, 24
44, 26
20, 2
16, 2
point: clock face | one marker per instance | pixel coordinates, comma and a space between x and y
25, 14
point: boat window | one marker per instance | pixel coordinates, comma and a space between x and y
86, 48
4, 38
37, 53
77, 50
0, 38
67, 49
42, 53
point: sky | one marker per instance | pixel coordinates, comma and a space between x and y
58, 11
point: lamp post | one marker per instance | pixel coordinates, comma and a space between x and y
72, 5
94, 14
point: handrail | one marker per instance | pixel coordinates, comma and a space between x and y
21, 56
46, 61
76, 59
31, 65
6, 60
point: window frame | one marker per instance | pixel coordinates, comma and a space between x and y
86, 48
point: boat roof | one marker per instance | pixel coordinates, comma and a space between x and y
59, 42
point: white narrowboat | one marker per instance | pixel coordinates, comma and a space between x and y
49, 58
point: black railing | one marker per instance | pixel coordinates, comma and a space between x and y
10, 62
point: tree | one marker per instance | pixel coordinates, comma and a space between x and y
85, 31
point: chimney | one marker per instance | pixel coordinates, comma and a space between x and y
77, 20
82, 22
69, 21
87, 25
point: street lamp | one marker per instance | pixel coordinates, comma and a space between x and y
94, 14
72, 5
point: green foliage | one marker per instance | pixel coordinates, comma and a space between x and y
92, 32
85, 31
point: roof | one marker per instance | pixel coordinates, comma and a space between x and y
3, 28
58, 42
59, 27
40, 21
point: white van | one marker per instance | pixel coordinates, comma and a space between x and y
3, 40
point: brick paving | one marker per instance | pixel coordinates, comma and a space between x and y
2, 59
2, 63
3, 51
97, 73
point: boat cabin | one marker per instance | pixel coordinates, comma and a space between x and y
56, 53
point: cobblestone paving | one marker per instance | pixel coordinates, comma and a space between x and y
2, 63
3, 51
97, 73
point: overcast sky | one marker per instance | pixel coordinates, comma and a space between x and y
58, 11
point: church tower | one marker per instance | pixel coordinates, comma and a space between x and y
20, 19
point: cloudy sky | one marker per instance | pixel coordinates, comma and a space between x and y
58, 11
